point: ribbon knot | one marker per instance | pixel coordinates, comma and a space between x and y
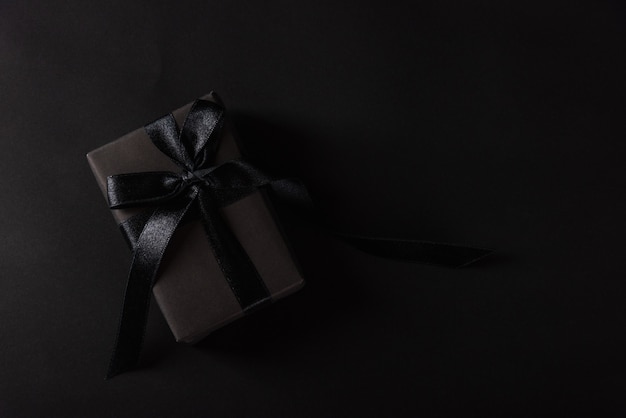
193, 177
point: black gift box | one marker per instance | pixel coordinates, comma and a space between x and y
190, 289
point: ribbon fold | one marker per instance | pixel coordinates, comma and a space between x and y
198, 191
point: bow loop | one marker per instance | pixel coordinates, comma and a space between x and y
194, 145
200, 132
140, 189
165, 136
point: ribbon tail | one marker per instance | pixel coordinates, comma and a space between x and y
295, 193
425, 252
147, 255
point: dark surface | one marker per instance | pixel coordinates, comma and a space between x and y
480, 123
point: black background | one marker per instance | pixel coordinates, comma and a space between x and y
497, 124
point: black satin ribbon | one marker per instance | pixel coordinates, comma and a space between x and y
198, 191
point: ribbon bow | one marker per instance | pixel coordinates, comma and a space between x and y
199, 184
199, 190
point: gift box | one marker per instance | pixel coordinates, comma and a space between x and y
191, 289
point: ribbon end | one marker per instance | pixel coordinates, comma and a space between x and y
114, 370
426, 252
118, 366
124, 358
111, 374
479, 254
